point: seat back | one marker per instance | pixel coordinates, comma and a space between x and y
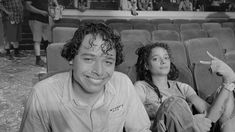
136, 21
199, 21
62, 34
108, 21
190, 26
196, 50
160, 21
213, 25
229, 25
225, 36
130, 59
168, 26
191, 34
159, 35
121, 26
181, 21
147, 26
55, 62
143, 36
206, 82
185, 75
87, 20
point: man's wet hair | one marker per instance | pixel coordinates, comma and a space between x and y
111, 40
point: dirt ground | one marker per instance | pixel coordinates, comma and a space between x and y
16, 80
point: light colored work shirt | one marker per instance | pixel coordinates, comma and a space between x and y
52, 107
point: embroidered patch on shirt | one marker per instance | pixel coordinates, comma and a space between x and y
117, 108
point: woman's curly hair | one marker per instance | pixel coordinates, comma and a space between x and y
142, 62
112, 41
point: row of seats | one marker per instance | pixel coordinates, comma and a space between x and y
186, 57
73, 22
225, 36
170, 26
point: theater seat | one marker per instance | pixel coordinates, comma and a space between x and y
213, 25
143, 36
191, 34
206, 82
159, 35
109, 21
62, 34
168, 26
229, 25
179, 58
136, 21
190, 26
121, 26
147, 26
180, 21
160, 21
130, 58
55, 62
92, 21
196, 50
226, 39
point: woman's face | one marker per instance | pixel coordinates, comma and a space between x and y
159, 62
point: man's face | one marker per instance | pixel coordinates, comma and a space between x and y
92, 68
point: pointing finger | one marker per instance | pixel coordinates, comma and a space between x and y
206, 62
211, 56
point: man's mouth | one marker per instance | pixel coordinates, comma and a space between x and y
95, 79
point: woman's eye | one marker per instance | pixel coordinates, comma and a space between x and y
155, 59
167, 57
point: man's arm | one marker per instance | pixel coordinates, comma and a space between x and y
31, 8
34, 117
217, 107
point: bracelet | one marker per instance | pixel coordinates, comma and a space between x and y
229, 86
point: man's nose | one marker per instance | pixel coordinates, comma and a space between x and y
97, 68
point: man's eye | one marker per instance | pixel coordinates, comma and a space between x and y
109, 62
87, 59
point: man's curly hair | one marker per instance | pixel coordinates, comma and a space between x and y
142, 62
111, 41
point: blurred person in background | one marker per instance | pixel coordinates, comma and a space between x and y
185, 5
39, 25
12, 19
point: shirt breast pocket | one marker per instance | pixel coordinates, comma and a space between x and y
116, 115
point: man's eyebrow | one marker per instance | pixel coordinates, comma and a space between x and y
110, 58
88, 54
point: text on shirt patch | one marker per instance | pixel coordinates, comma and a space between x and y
117, 108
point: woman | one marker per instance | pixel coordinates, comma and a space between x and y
156, 73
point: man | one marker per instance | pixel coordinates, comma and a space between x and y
39, 24
12, 19
90, 97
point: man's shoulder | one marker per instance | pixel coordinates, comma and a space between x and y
52, 81
120, 81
